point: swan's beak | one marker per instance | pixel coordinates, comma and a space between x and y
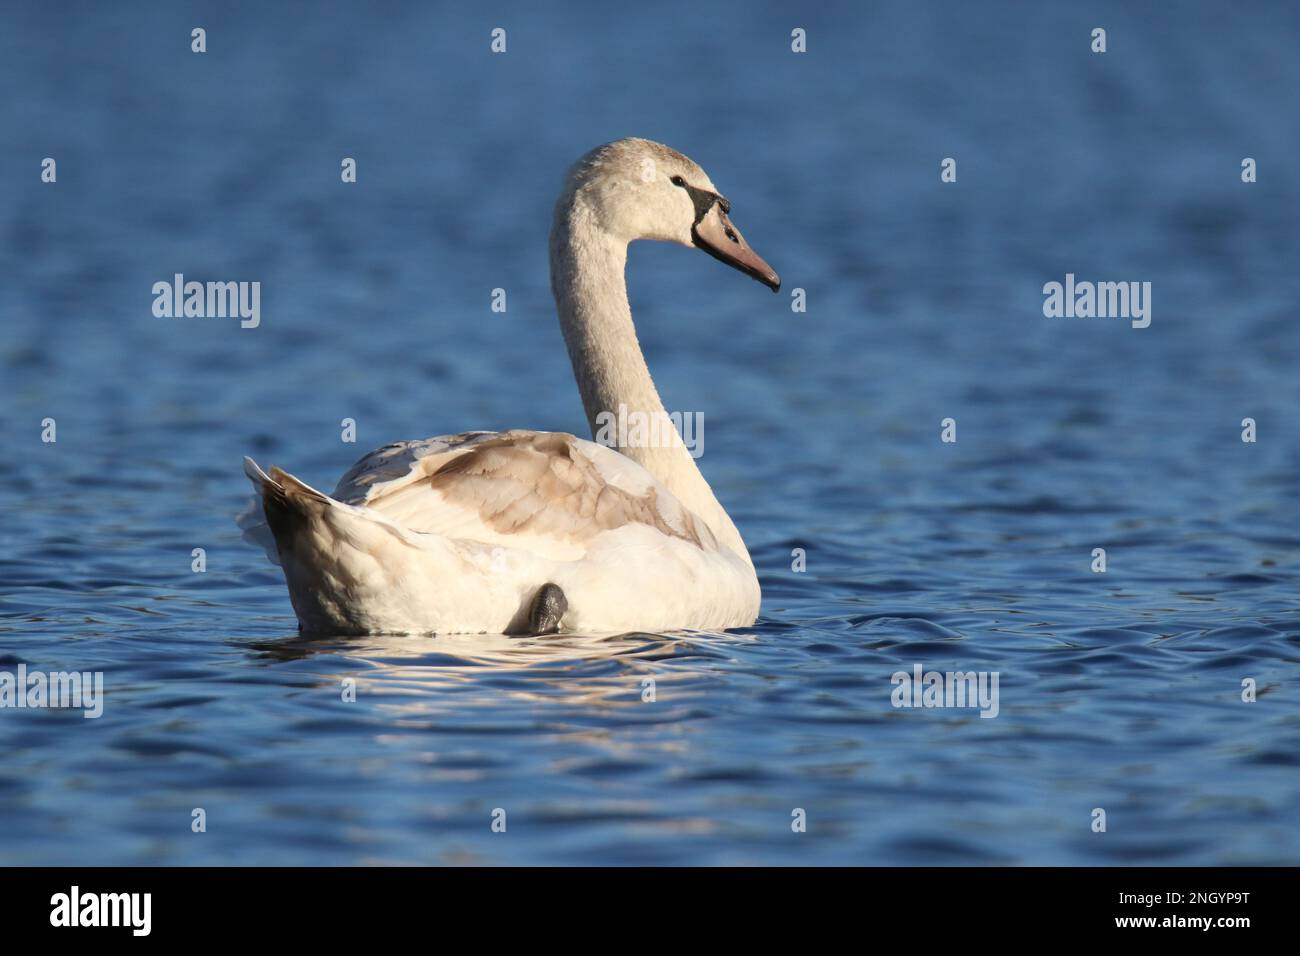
715, 234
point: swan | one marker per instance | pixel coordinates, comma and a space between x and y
532, 532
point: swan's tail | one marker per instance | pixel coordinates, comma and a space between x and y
347, 568
282, 507
352, 570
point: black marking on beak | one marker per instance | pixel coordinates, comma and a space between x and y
720, 239
704, 200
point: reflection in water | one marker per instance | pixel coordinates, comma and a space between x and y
413, 676
450, 651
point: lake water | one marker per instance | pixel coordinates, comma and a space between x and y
1119, 690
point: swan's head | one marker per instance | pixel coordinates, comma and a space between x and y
638, 189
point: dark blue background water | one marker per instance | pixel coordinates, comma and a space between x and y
1118, 690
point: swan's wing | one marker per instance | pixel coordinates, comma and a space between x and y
546, 492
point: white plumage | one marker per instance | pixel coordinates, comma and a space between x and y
456, 534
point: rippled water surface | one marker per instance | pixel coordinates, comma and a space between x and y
1119, 691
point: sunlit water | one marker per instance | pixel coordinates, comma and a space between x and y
1119, 691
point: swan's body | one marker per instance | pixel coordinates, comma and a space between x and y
458, 534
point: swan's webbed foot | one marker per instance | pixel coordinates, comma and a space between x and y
549, 606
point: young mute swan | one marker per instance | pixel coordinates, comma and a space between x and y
533, 532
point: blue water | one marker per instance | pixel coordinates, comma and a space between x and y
1119, 691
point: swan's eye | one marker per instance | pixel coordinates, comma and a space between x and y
678, 181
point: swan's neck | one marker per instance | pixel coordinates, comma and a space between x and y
587, 266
